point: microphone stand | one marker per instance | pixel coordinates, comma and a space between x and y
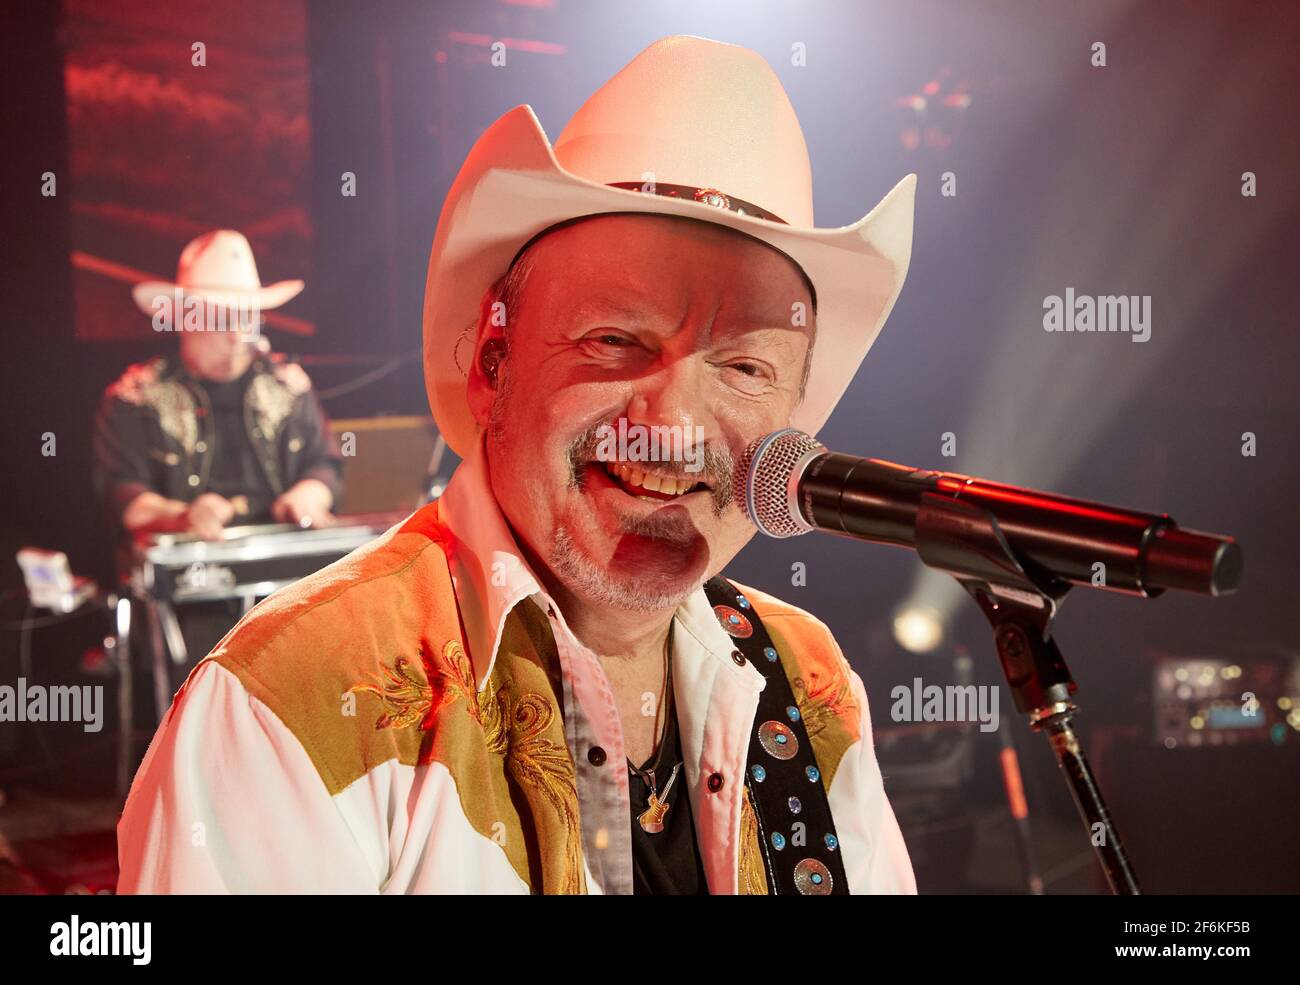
1020, 602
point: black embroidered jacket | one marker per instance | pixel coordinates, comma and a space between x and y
154, 432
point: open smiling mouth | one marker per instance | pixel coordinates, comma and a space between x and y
636, 480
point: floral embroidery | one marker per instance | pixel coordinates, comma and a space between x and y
131, 385
753, 880
271, 403
822, 701
493, 714
514, 728
409, 698
458, 673
142, 386
293, 376
176, 413
536, 761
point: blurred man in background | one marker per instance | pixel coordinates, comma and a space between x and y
220, 433
223, 433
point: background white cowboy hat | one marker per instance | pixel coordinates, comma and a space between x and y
218, 267
696, 114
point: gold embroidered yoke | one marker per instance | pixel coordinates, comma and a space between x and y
340, 722
382, 675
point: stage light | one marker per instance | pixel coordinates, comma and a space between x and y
918, 628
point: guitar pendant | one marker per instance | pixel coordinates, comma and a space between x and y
652, 818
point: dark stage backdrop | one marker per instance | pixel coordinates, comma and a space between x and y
182, 117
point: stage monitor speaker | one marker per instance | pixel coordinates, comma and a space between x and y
385, 463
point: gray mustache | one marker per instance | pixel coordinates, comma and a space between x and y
716, 473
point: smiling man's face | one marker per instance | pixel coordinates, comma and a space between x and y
638, 322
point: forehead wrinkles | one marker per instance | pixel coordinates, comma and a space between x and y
706, 315
595, 245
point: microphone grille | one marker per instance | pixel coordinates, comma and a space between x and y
765, 479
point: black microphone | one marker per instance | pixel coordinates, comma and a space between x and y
789, 483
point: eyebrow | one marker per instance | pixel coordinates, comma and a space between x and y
768, 337
603, 305
782, 337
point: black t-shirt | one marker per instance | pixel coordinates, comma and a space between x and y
235, 471
667, 863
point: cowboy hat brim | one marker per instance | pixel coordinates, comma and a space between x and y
263, 298
512, 187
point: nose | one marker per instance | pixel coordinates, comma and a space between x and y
675, 396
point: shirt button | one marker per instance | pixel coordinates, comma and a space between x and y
737, 658
596, 756
200, 446
193, 480
715, 782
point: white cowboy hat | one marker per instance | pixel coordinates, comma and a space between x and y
694, 128
218, 266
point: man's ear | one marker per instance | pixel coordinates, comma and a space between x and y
484, 372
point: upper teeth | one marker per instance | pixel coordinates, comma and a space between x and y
653, 481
